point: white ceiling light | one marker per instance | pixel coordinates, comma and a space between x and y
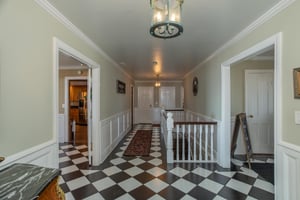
166, 18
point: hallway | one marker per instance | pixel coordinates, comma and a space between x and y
151, 178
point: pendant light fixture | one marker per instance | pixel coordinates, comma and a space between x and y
166, 18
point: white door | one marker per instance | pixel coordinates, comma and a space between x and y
167, 97
144, 111
259, 103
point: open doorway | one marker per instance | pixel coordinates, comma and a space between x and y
225, 138
93, 98
74, 103
252, 92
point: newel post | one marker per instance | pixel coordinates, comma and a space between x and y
170, 126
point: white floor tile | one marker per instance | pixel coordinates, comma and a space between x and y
179, 171
70, 153
77, 183
211, 186
133, 171
227, 174
156, 171
155, 161
86, 153
248, 172
125, 197
156, 197
66, 146
250, 198
187, 197
104, 183
202, 172
264, 185
155, 154
88, 172
69, 196
111, 170
156, 185
69, 169
96, 196
81, 147
155, 148
183, 185
117, 161
137, 161
130, 184
219, 198
80, 160
239, 186
64, 159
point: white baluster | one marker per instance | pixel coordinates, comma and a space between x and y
189, 142
195, 130
170, 126
177, 142
206, 142
212, 142
200, 142
183, 135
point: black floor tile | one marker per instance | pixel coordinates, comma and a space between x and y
112, 192
229, 193
142, 192
244, 178
72, 175
171, 193
201, 193
261, 194
84, 191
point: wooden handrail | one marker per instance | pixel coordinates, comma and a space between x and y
191, 122
172, 110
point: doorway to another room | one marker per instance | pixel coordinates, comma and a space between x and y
78, 112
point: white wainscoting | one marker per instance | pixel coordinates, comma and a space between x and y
45, 155
287, 178
113, 129
61, 127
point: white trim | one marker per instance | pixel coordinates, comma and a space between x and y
69, 25
288, 183
66, 110
58, 46
275, 41
276, 9
45, 154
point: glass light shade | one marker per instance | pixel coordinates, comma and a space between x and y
166, 18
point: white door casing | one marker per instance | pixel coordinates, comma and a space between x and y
259, 103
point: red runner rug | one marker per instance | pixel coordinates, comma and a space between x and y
140, 144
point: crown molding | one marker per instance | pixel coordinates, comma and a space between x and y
69, 25
280, 6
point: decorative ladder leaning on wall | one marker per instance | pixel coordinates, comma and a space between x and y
188, 141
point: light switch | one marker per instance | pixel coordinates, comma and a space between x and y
297, 117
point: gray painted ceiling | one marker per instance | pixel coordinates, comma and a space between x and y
121, 29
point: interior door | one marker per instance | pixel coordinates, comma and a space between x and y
259, 103
167, 97
144, 111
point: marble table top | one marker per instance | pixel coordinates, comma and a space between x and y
25, 181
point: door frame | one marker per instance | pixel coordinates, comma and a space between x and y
66, 93
60, 46
224, 139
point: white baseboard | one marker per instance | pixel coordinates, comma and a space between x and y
287, 177
45, 155
113, 129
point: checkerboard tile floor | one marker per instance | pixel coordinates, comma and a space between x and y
126, 178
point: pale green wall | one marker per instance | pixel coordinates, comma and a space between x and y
26, 75
209, 102
237, 74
